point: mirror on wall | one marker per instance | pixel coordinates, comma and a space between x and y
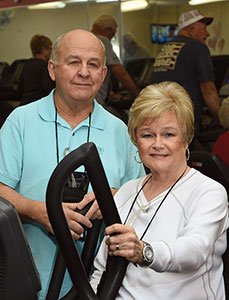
17, 26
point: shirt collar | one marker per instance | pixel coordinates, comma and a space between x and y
46, 110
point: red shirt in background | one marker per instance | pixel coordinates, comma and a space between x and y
221, 147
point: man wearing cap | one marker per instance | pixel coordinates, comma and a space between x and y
187, 61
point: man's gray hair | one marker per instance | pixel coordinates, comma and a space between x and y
56, 46
106, 21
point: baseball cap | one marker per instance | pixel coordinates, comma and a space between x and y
191, 17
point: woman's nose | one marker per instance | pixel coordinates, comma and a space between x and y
157, 142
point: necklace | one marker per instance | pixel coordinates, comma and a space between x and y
56, 134
135, 199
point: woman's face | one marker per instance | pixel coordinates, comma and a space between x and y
161, 144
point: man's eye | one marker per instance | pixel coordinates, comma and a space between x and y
93, 65
74, 62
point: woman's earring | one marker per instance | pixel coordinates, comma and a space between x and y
136, 158
187, 154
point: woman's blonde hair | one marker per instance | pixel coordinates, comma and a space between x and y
157, 99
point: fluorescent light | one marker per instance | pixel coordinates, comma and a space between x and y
49, 5
75, 1
197, 2
133, 5
103, 1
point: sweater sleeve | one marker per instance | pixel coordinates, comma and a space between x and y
206, 221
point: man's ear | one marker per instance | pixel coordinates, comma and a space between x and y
104, 73
51, 69
192, 30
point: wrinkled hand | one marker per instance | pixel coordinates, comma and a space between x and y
123, 241
75, 220
94, 211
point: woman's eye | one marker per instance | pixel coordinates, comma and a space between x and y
169, 134
147, 135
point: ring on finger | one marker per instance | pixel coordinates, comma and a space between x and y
117, 247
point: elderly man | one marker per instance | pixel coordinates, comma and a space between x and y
105, 28
35, 137
132, 50
187, 61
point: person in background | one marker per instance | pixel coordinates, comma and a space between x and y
174, 220
36, 80
187, 61
132, 50
105, 27
36, 137
221, 145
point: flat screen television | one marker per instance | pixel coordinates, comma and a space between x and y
163, 33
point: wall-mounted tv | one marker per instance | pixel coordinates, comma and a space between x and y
163, 33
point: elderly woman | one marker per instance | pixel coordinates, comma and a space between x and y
175, 218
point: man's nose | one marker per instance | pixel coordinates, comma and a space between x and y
83, 70
207, 34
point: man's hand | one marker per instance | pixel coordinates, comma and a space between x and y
94, 211
75, 220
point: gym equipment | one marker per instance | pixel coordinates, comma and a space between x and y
88, 156
18, 275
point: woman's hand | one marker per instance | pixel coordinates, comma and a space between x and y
123, 241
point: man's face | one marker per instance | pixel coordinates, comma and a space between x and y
199, 32
79, 70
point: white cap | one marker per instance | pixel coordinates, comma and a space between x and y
191, 17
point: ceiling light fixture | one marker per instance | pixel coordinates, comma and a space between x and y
75, 1
49, 5
103, 1
197, 2
133, 5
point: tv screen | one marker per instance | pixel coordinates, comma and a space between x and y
163, 33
